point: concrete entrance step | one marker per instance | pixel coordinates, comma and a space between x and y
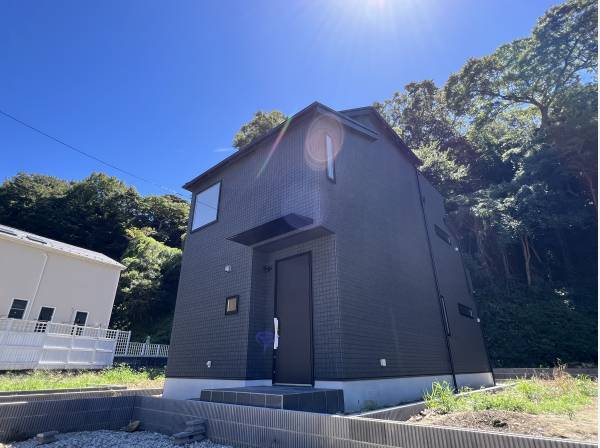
296, 398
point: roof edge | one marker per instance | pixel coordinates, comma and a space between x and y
397, 139
49, 248
246, 149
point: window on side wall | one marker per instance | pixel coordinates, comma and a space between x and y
80, 318
206, 206
330, 158
46, 313
17, 309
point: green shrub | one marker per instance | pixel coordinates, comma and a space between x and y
563, 394
48, 379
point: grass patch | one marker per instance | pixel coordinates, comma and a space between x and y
48, 379
563, 395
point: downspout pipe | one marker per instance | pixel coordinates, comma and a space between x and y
37, 286
443, 315
471, 295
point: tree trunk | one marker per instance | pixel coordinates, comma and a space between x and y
590, 181
505, 263
526, 257
566, 258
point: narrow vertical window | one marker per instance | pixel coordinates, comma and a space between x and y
330, 159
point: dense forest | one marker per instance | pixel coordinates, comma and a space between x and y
511, 142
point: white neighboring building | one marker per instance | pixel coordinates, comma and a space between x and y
44, 279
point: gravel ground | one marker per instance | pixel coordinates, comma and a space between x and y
117, 439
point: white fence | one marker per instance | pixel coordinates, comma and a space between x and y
27, 344
141, 349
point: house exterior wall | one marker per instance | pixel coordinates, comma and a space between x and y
389, 307
466, 340
50, 278
264, 185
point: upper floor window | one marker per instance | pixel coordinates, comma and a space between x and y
206, 206
330, 158
46, 313
17, 309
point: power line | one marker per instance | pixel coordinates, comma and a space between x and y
84, 153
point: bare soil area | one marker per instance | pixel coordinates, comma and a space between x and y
583, 425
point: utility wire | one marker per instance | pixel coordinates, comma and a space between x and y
73, 148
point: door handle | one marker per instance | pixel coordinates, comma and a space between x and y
276, 333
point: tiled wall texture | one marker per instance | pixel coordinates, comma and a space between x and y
244, 426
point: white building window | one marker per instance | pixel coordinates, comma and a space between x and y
46, 314
330, 158
80, 318
17, 309
206, 206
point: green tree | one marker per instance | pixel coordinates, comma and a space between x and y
148, 287
511, 141
29, 202
260, 124
167, 215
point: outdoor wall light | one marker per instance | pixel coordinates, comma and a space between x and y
267, 268
231, 305
228, 268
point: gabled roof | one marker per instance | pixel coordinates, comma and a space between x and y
33, 240
343, 116
389, 130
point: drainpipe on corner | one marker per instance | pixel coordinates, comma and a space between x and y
445, 323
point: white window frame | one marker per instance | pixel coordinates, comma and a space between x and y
53, 308
24, 311
330, 167
198, 227
87, 315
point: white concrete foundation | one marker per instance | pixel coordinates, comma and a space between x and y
186, 388
474, 380
357, 394
382, 392
393, 391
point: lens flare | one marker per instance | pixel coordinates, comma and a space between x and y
314, 143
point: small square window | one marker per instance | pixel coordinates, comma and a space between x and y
231, 305
465, 311
442, 234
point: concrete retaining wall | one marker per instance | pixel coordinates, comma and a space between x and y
244, 426
76, 394
25, 419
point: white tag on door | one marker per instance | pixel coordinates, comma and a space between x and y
276, 333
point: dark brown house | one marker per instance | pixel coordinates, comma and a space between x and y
318, 255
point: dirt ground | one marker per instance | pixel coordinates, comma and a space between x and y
582, 426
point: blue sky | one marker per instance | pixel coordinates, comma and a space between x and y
160, 88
